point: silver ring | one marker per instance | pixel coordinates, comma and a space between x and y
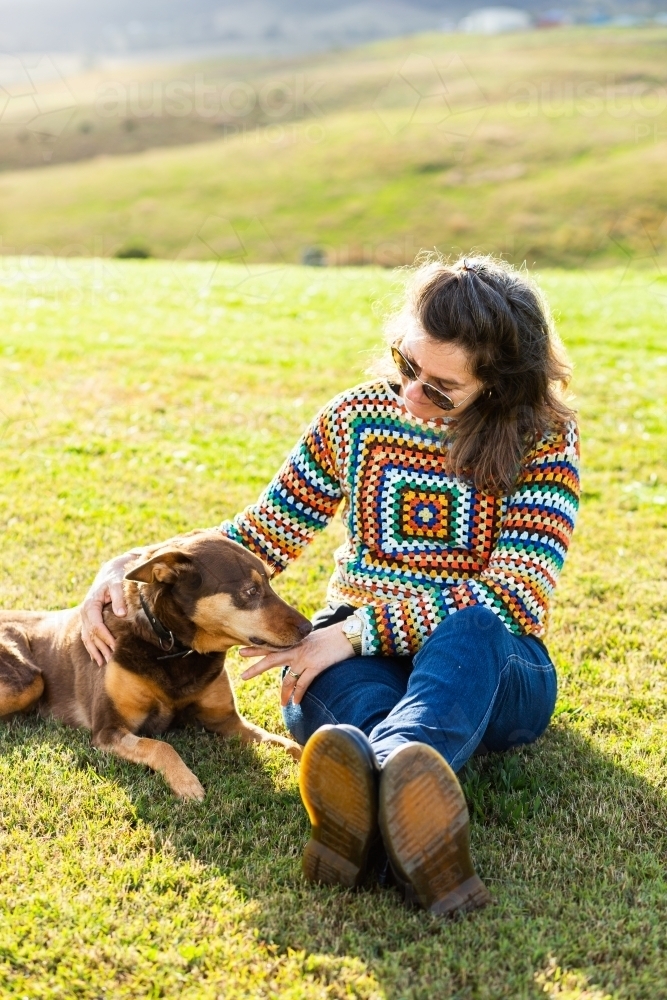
292, 674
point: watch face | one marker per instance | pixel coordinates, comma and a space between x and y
352, 626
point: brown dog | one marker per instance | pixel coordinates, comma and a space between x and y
189, 600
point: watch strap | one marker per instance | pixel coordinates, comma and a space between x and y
354, 639
355, 642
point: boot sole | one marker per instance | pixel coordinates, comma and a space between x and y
339, 790
424, 821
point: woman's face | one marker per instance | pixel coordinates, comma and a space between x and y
444, 365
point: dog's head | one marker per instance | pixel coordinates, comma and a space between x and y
215, 594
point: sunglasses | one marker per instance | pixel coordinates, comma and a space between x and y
411, 372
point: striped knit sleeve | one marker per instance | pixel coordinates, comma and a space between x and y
523, 568
298, 502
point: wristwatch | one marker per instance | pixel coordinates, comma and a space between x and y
352, 629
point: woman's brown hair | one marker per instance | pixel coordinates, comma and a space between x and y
501, 319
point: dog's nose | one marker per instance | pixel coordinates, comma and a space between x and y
305, 629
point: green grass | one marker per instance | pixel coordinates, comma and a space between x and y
140, 398
545, 146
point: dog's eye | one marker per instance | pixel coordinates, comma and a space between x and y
251, 592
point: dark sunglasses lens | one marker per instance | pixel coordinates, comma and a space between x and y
403, 365
440, 399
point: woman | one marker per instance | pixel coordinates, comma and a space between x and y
457, 478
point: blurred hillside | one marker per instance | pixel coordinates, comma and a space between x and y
122, 27
126, 27
546, 146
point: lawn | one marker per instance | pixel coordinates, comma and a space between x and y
142, 398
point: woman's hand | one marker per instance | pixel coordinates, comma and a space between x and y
107, 588
314, 654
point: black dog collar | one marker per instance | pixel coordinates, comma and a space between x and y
165, 635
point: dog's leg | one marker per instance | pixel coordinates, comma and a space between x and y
217, 712
124, 706
21, 682
154, 754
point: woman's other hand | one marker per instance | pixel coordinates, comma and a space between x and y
314, 654
107, 588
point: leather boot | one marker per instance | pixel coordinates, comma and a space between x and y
338, 783
425, 826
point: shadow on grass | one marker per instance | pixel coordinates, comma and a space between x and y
571, 844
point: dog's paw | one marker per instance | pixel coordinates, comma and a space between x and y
294, 750
187, 786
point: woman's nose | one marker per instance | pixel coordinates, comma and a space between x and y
414, 392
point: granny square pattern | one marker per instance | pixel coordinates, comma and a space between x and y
421, 544
424, 513
402, 501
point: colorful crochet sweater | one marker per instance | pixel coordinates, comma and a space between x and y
421, 544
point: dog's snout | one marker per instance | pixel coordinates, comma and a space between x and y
305, 628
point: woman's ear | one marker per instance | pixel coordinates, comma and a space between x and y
162, 568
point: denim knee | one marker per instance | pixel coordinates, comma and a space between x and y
468, 625
477, 619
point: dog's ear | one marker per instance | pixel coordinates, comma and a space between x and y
162, 568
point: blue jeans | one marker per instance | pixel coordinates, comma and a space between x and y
473, 686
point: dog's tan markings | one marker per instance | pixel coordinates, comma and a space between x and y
134, 697
216, 710
216, 705
160, 757
203, 642
13, 700
220, 624
213, 613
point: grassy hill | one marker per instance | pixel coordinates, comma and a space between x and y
144, 398
549, 146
